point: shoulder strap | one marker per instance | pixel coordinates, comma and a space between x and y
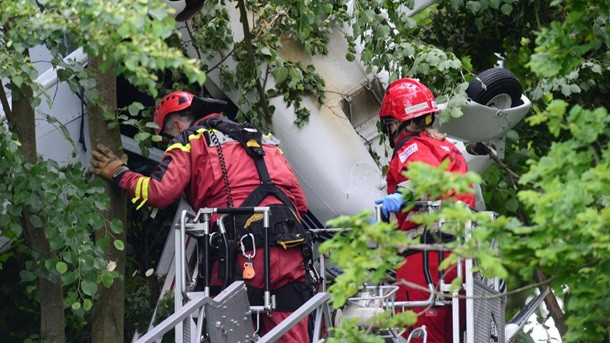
403, 141
251, 139
246, 134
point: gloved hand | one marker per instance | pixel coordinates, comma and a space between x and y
106, 164
390, 203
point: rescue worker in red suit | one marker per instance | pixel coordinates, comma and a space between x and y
407, 113
192, 166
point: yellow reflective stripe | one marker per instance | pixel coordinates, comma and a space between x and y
185, 148
138, 190
144, 192
197, 135
280, 149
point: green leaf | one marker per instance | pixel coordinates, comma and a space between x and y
36, 221
142, 136
76, 305
88, 83
280, 74
118, 244
17, 80
92, 94
69, 277
151, 125
296, 75
61, 267
456, 284
88, 287
131, 63
107, 279
27, 275
87, 304
506, 9
135, 108
328, 8
116, 226
473, 6
16, 229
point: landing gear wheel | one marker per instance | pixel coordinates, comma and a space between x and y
496, 87
185, 9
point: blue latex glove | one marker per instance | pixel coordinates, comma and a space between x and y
390, 203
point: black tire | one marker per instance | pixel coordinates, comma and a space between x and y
498, 82
192, 7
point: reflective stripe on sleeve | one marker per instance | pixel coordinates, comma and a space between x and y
138, 190
144, 192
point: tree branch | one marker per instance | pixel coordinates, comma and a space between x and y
5, 105
550, 299
541, 284
243, 15
511, 174
551, 302
224, 58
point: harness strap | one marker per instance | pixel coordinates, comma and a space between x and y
288, 298
403, 141
251, 139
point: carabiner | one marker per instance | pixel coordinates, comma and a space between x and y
212, 239
243, 248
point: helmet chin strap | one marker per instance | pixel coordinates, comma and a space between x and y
427, 120
392, 138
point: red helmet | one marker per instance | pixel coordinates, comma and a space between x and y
406, 99
173, 102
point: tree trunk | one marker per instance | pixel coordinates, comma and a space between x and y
52, 320
108, 311
551, 304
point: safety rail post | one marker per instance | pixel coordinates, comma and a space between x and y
455, 301
266, 252
469, 286
180, 287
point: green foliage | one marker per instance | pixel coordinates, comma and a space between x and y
63, 201
130, 36
65, 204
562, 45
350, 332
391, 42
569, 235
274, 25
480, 28
15, 302
365, 252
350, 251
135, 30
